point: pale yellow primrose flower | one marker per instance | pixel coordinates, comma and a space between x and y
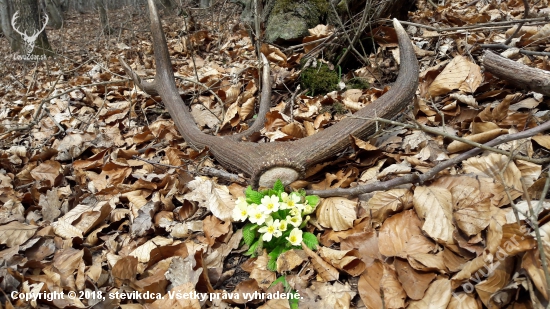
295, 237
241, 210
295, 212
283, 225
290, 200
270, 204
308, 209
256, 215
294, 220
270, 229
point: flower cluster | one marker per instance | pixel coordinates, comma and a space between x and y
276, 219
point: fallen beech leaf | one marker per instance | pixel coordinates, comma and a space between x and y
502, 271
400, 235
214, 228
492, 166
16, 233
437, 296
543, 140
47, 171
125, 268
66, 230
369, 285
326, 271
414, 282
460, 73
471, 209
385, 203
434, 205
346, 260
260, 272
212, 196
394, 295
337, 213
290, 260
458, 146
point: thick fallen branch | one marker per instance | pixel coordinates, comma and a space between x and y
517, 74
416, 178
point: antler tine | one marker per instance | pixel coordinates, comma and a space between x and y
267, 162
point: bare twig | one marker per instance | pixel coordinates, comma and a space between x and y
415, 178
480, 25
210, 171
540, 245
520, 50
525, 16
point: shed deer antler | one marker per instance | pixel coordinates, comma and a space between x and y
28, 39
267, 162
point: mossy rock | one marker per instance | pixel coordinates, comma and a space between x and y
289, 20
319, 80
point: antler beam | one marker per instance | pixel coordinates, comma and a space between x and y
265, 163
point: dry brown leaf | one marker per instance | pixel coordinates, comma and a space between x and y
462, 300
290, 260
437, 296
460, 73
414, 282
125, 268
212, 196
434, 205
47, 171
543, 140
369, 285
458, 146
400, 235
394, 295
498, 278
346, 260
260, 272
337, 213
385, 203
471, 209
491, 165
326, 271
16, 233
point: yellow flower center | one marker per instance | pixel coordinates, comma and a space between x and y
270, 229
258, 215
270, 206
290, 203
293, 238
243, 212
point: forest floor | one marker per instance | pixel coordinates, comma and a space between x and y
103, 204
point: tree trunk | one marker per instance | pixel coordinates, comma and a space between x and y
53, 7
103, 19
30, 28
6, 11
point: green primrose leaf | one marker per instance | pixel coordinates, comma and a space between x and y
253, 196
249, 233
312, 200
278, 187
252, 250
310, 240
293, 302
272, 264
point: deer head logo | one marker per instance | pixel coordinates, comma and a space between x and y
28, 40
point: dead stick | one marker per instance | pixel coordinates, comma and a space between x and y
414, 178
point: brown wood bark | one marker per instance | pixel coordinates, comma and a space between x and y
517, 74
